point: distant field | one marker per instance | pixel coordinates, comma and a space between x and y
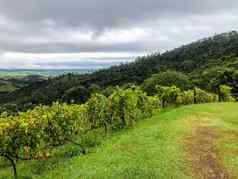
196, 141
11, 80
24, 73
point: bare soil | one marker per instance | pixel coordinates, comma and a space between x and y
203, 156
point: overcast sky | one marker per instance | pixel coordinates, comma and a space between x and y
98, 33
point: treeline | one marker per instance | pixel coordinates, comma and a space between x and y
32, 135
207, 63
215, 83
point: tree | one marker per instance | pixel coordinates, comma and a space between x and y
94, 88
168, 78
78, 94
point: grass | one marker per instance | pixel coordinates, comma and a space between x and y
154, 148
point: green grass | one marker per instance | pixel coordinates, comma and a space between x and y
154, 148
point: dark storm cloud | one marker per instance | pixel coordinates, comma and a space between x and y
76, 26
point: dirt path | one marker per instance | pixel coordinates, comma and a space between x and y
203, 156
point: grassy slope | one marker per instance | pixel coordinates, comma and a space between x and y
153, 149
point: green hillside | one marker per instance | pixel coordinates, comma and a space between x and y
207, 63
127, 121
193, 141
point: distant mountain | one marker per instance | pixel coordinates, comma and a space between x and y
210, 58
13, 73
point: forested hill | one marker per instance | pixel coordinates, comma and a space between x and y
214, 58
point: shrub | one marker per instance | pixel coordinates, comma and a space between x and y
202, 96
225, 93
123, 108
153, 105
129, 105
168, 95
97, 111
33, 134
185, 97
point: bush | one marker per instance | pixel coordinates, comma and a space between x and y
153, 105
129, 105
185, 97
225, 93
168, 95
202, 96
34, 133
123, 108
97, 112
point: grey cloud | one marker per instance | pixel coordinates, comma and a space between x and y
106, 13
75, 26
